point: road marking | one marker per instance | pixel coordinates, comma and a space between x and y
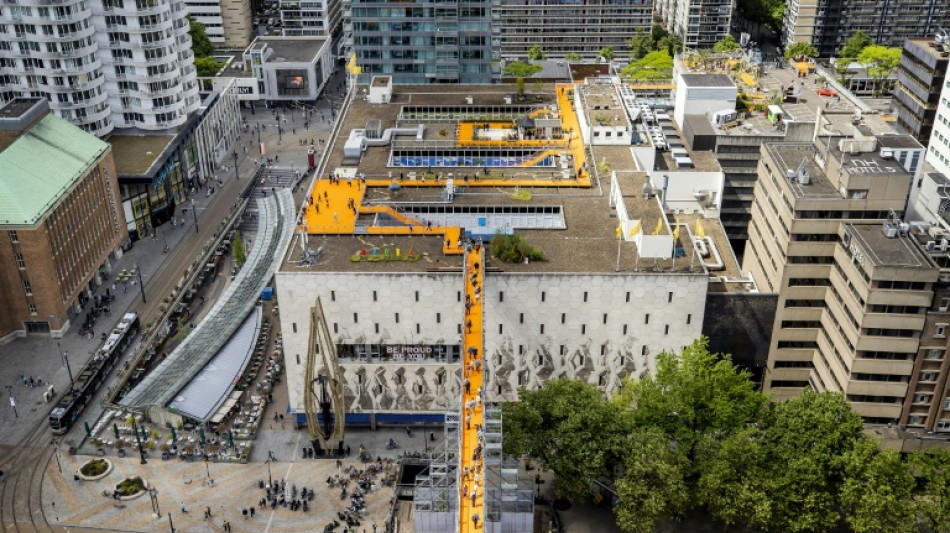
286, 477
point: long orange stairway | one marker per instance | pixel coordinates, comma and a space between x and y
471, 484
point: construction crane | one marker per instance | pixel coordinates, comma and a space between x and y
323, 394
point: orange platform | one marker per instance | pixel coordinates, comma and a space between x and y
472, 373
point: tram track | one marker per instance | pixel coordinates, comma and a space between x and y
21, 491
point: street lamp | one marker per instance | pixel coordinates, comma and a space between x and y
194, 212
170, 524
56, 452
138, 440
141, 285
65, 356
237, 176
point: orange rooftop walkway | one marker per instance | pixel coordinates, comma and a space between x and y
472, 474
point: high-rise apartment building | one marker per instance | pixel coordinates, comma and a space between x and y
102, 64
698, 23
828, 24
561, 27
418, 43
853, 284
310, 18
920, 76
228, 23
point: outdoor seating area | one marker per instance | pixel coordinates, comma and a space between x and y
127, 275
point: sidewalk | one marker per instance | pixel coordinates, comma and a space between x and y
40, 356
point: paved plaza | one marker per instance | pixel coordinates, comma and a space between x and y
81, 503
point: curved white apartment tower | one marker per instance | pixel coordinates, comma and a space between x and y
102, 64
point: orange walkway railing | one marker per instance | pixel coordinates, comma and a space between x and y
472, 478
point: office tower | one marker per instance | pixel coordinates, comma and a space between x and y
102, 64
920, 77
853, 283
418, 43
938, 150
562, 27
828, 24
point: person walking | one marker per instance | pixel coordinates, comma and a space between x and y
183, 508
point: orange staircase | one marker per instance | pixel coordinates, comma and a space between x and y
472, 479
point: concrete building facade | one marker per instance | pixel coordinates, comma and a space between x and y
920, 76
398, 335
228, 23
102, 64
853, 286
311, 18
61, 219
828, 24
938, 149
554, 25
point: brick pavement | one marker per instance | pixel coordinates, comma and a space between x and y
71, 503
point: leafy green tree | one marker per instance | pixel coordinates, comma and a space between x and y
536, 53
859, 41
569, 428
808, 439
657, 33
656, 65
694, 393
521, 70
200, 43
876, 493
207, 66
734, 482
654, 483
880, 62
932, 499
607, 53
237, 249
768, 13
671, 44
727, 44
573, 56
798, 50
640, 44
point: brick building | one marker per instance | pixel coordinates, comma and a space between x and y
61, 221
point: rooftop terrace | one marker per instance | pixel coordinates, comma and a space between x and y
414, 225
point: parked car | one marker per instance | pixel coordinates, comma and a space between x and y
824, 91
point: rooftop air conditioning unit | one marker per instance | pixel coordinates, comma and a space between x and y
930, 246
944, 244
887, 154
936, 232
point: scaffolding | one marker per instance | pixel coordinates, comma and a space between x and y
435, 497
508, 495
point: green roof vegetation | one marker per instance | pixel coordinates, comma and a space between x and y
41, 166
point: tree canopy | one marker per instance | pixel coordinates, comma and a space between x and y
557, 424
797, 50
769, 13
880, 62
520, 69
642, 43
573, 56
698, 435
858, 42
207, 66
536, 53
655, 65
200, 43
607, 53
727, 44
